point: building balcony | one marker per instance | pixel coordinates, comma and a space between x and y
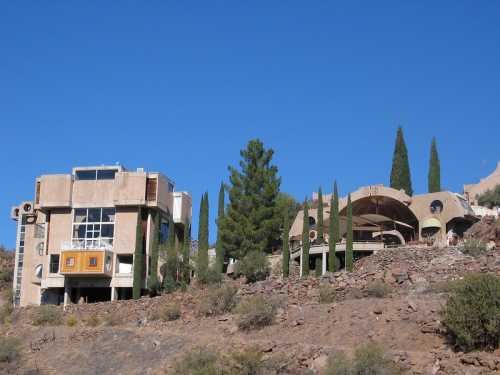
86, 262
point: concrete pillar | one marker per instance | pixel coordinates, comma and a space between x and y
113, 294
323, 263
67, 291
300, 269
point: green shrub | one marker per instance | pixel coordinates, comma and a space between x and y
327, 293
255, 312
71, 320
254, 267
167, 313
198, 362
474, 248
9, 349
218, 301
444, 286
92, 321
378, 289
472, 313
209, 276
248, 362
6, 276
368, 359
46, 315
6, 313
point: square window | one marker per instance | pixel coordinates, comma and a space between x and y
94, 215
85, 175
79, 231
80, 215
92, 262
70, 262
107, 230
106, 174
108, 215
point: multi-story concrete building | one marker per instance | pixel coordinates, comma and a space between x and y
76, 239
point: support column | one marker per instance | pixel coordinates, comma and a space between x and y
67, 291
323, 263
113, 293
300, 272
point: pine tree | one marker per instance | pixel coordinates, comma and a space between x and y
333, 229
219, 248
202, 258
252, 221
170, 279
321, 236
138, 258
186, 249
154, 251
400, 172
434, 169
286, 245
349, 237
305, 241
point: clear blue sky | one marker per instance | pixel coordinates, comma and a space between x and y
180, 87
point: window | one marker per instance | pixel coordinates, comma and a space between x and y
170, 187
436, 207
312, 222
92, 262
124, 263
92, 175
163, 232
54, 263
39, 248
70, 261
93, 228
38, 271
151, 189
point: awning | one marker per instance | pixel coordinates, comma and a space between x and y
431, 223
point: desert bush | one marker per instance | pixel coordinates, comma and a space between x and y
368, 359
93, 320
218, 300
378, 289
255, 312
6, 312
6, 276
45, 315
113, 319
474, 247
254, 267
327, 293
9, 349
71, 320
167, 313
472, 313
248, 362
209, 276
444, 286
198, 362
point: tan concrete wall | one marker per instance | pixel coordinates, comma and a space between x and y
165, 199
125, 230
60, 229
30, 287
55, 190
93, 193
130, 188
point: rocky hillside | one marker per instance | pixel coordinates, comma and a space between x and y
6, 269
392, 298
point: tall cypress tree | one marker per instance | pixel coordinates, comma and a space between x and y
434, 169
186, 249
286, 244
333, 229
154, 251
400, 172
321, 236
170, 279
252, 221
349, 237
305, 241
138, 258
202, 259
219, 248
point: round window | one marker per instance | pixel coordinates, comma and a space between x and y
436, 207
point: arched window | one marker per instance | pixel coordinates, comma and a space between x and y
312, 222
436, 207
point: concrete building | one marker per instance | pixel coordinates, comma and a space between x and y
76, 239
384, 217
473, 191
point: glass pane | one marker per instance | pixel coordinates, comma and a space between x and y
80, 215
79, 231
96, 234
86, 175
94, 215
106, 174
108, 215
107, 230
